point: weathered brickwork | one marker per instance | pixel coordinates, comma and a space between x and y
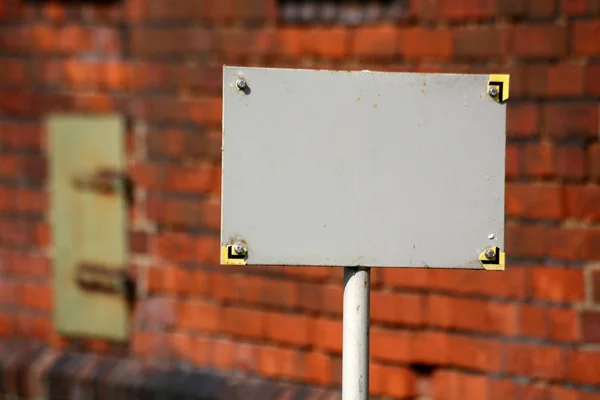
531, 332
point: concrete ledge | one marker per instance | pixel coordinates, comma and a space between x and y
30, 370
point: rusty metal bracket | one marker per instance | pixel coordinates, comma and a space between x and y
99, 278
104, 181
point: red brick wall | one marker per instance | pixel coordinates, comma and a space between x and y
531, 332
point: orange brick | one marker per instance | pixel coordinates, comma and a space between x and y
289, 328
277, 362
397, 308
535, 361
207, 317
389, 345
376, 42
557, 284
328, 335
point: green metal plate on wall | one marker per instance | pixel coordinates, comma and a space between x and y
89, 225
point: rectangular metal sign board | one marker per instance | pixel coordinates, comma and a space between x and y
373, 169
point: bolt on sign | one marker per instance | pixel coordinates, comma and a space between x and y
373, 169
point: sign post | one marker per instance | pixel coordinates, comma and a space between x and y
355, 350
362, 170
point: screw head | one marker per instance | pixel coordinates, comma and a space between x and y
490, 253
493, 91
491, 236
241, 83
238, 248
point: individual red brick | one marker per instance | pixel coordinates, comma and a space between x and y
153, 345
571, 162
332, 303
471, 315
591, 250
397, 308
207, 250
533, 321
582, 366
536, 80
535, 361
522, 120
197, 178
204, 316
481, 42
390, 345
276, 292
590, 326
407, 277
23, 233
563, 324
542, 8
566, 80
426, 43
539, 40
570, 120
189, 348
574, 8
20, 136
33, 326
328, 335
245, 357
429, 347
474, 353
174, 247
10, 293
513, 161
502, 389
565, 242
593, 161
327, 42
28, 265
451, 385
291, 329
557, 284
6, 324
290, 41
318, 368
467, 10
595, 274
277, 362
585, 38
537, 200
221, 356
540, 159
138, 242
377, 42
243, 322
161, 42
581, 202
37, 296
13, 74
592, 79
391, 381
510, 285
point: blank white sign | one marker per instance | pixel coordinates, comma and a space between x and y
339, 168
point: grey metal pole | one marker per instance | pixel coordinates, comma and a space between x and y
355, 351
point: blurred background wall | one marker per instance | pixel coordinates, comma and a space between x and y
531, 332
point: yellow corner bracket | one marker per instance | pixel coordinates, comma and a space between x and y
230, 257
492, 259
499, 87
